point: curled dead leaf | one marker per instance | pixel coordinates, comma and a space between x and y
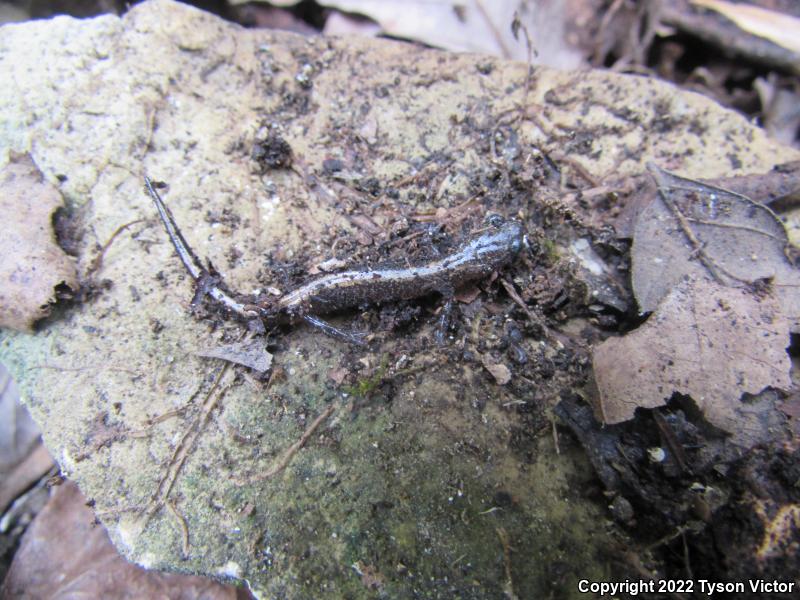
500, 372
250, 353
779, 28
32, 265
711, 342
696, 229
64, 554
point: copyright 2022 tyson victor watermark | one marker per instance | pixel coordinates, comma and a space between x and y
699, 587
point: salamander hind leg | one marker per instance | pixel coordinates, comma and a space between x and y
351, 337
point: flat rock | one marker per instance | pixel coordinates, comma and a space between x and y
423, 470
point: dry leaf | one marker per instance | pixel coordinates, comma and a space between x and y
35, 466
31, 262
64, 554
23, 458
780, 104
327, 266
779, 188
337, 375
696, 229
18, 433
467, 294
473, 26
250, 353
371, 577
791, 408
779, 28
339, 23
709, 341
500, 372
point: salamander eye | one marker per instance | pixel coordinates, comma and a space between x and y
494, 220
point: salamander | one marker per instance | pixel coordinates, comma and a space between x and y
478, 257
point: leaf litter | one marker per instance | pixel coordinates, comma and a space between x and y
708, 341
23, 457
250, 353
65, 553
32, 265
712, 266
697, 229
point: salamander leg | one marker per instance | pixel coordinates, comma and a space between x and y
351, 337
445, 321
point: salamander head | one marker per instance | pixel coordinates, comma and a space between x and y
506, 232
499, 244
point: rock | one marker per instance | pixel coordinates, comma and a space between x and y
171, 445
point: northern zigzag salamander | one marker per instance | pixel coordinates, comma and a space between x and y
475, 259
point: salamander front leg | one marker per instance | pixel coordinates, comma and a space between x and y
351, 337
444, 322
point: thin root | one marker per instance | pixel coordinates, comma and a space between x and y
284, 460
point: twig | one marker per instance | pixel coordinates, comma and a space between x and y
579, 168
697, 245
97, 262
186, 445
165, 416
516, 25
672, 442
509, 587
521, 303
493, 28
86, 368
735, 226
183, 527
686, 556
284, 460
555, 436
633, 559
667, 538
596, 58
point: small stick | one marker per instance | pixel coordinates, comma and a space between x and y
521, 303
283, 461
98, 260
183, 527
509, 587
186, 445
188, 258
555, 436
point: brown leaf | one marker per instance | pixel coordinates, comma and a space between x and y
468, 294
18, 432
708, 341
780, 101
500, 372
791, 408
779, 28
35, 465
337, 375
691, 228
777, 188
366, 224
327, 266
250, 353
31, 262
476, 27
65, 554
